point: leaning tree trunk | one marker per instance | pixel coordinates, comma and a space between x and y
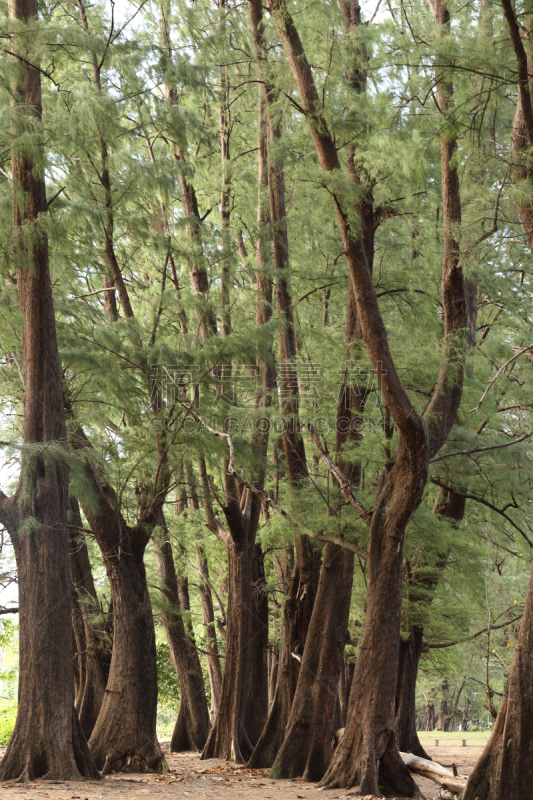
307, 747
48, 740
367, 755
296, 618
503, 771
369, 745
192, 725
409, 659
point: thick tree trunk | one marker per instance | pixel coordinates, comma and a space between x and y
48, 740
192, 725
257, 701
410, 652
124, 737
227, 738
369, 743
296, 619
307, 747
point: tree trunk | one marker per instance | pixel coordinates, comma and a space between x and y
227, 738
296, 618
435, 772
369, 742
503, 771
273, 663
213, 659
257, 702
410, 652
48, 740
307, 747
440, 724
92, 656
124, 737
205, 316
192, 725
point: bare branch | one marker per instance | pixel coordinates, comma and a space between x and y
493, 381
344, 483
481, 449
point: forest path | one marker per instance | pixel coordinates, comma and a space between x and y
192, 779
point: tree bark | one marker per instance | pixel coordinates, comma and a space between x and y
124, 737
435, 772
93, 654
369, 742
213, 659
257, 701
192, 725
409, 659
227, 738
48, 740
297, 614
246, 632
307, 747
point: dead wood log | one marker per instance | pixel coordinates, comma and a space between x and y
435, 772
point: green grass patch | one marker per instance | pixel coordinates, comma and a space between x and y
472, 738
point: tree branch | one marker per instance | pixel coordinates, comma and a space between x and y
480, 449
493, 381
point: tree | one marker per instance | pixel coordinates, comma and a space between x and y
502, 770
48, 740
360, 751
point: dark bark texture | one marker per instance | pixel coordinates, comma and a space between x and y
124, 737
257, 700
369, 744
297, 614
307, 747
228, 738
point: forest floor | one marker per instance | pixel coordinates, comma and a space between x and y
192, 779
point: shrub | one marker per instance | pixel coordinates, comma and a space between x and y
8, 715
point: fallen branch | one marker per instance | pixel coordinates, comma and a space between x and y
435, 772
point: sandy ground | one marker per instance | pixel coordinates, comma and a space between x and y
193, 779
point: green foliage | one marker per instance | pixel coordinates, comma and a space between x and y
8, 717
451, 581
169, 693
